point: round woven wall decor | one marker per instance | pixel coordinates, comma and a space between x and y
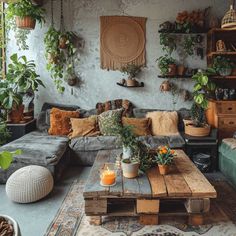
123, 40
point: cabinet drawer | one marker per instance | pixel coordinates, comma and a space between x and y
226, 108
228, 123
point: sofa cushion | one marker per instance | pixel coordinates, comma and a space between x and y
109, 122
60, 121
94, 143
163, 122
140, 126
228, 149
38, 148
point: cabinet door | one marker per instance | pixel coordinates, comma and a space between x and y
227, 108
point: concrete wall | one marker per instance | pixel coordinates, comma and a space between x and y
82, 16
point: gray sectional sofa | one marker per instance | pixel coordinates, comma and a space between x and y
57, 152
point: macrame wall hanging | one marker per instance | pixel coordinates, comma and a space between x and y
122, 41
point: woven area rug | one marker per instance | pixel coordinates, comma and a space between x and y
71, 221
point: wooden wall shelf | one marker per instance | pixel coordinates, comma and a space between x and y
175, 76
137, 86
211, 54
230, 77
195, 33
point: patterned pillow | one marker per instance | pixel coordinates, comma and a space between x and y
108, 121
60, 121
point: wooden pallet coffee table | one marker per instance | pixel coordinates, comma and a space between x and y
183, 192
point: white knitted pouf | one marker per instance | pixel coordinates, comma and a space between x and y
29, 184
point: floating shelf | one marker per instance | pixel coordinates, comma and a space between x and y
175, 76
137, 86
211, 54
163, 32
221, 30
229, 77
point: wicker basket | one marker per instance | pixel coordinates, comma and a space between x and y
197, 131
26, 22
229, 20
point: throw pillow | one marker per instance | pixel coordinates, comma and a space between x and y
60, 121
84, 127
108, 121
163, 122
141, 127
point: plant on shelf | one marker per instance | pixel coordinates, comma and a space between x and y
222, 65
21, 78
60, 50
167, 65
132, 71
198, 126
164, 157
21, 16
168, 43
188, 45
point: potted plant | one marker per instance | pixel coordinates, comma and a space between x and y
25, 14
132, 71
198, 126
222, 65
164, 158
167, 65
21, 78
168, 42
8, 226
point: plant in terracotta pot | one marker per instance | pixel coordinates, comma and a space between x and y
198, 126
167, 65
8, 226
132, 71
21, 78
222, 65
164, 158
21, 17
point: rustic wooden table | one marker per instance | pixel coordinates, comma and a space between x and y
184, 191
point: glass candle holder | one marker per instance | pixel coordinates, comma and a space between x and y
108, 174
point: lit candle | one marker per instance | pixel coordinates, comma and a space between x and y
108, 177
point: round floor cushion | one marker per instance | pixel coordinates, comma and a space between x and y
29, 184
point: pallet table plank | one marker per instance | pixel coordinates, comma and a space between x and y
131, 187
198, 184
144, 186
157, 183
93, 187
176, 185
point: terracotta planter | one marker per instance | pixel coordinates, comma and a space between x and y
172, 69
164, 169
181, 70
165, 86
15, 116
62, 42
190, 129
130, 170
26, 22
131, 82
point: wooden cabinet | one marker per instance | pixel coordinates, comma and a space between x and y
222, 115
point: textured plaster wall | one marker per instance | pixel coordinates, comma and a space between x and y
82, 16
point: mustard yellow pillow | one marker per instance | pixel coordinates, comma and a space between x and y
141, 126
84, 127
60, 121
163, 122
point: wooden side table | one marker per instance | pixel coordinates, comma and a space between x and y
19, 130
207, 145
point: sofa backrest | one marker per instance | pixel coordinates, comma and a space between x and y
182, 114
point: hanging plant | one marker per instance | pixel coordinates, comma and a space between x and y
189, 45
21, 17
168, 43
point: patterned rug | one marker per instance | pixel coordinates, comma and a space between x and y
71, 221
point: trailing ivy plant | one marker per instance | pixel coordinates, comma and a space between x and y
22, 8
168, 43
188, 45
58, 59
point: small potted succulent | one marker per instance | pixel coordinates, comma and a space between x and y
167, 65
222, 65
132, 71
8, 226
164, 158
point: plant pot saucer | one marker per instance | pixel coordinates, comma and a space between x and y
107, 185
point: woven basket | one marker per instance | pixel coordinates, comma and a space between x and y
229, 20
26, 22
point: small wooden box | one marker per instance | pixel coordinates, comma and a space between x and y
148, 206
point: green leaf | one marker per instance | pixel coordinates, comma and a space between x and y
197, 87
14, 57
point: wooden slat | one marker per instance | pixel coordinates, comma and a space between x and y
95, 207
131, 187
144, 186
198, 184
116, 190
176, 185
157, 183
148, 206
93, 187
